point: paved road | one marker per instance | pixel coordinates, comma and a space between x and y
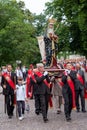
34, 122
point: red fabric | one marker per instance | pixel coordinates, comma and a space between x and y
28, 83
64, 65
80, 78
82, 81
61, 83
31, 66
11, 83
15, 99
86, 69
51, 85
73, 67
50, 102
71, 84
39, 74
85, 94
27, 86
9, 80
29, 89
29, 71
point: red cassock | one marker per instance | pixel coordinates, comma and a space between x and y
28, 86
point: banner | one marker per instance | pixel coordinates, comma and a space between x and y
42, 48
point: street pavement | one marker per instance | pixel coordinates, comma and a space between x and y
34, 122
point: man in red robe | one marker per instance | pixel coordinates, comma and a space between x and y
29, 89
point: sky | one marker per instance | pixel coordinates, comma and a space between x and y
35, 6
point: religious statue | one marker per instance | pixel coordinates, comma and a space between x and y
51, 40
48, 44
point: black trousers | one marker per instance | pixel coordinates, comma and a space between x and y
42, 101
10, 104
80, 94
67, 102
37, 103
20, 107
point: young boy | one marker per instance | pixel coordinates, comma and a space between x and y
20, 97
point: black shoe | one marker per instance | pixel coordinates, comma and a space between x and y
10, 117
40, 111
68, 119
45, 120
58, 112
83, 111
37, 113
12, 114
78, 110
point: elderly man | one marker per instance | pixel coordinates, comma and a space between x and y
43, 82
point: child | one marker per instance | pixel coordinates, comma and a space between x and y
20, 97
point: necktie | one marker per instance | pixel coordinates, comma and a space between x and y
9, 73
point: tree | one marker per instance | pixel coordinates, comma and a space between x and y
40, 23
17, 34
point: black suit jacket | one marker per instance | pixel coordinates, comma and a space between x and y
78, 85
42, 87
66, 87
8, 90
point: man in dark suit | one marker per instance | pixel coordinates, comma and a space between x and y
79, 87
33, 85
43, 93
68, 90
8, 83
67, 95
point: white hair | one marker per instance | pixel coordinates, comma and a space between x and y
39, 65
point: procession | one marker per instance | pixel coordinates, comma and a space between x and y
34, 101
43, 65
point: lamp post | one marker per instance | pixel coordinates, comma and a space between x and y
18, 62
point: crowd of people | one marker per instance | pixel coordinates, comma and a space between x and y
68, 89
